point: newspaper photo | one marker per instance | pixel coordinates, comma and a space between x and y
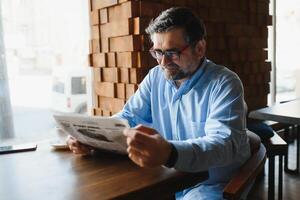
99, 132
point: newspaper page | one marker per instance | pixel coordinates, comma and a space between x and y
100, 132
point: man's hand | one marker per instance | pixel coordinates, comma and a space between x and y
77, 147
146, 147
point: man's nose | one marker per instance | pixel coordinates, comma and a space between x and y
165, 60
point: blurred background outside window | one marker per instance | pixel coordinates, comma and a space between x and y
46, 50
287, 50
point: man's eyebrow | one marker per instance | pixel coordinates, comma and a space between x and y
171, 49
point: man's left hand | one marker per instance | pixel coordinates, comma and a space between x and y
146, 147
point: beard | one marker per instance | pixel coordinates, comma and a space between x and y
174, 72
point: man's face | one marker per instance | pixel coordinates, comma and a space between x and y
180, 67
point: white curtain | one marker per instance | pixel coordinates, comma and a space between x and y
6, 120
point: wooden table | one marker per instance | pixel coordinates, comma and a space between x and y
48, 174
287, 113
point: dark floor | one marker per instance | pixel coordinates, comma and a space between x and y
291, 183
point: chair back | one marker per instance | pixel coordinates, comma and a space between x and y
254, 141
248, 171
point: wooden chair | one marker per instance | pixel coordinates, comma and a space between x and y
249, 171
276, 148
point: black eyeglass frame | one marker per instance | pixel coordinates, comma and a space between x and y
171, 54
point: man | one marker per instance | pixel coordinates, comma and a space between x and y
188, 112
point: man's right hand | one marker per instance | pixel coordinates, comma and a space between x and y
77, 147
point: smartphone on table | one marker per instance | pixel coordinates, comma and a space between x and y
17, 148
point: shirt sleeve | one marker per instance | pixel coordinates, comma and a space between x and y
137, 110
225, 131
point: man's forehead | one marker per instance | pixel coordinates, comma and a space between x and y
171, 39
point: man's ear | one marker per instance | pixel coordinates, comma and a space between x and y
200, 47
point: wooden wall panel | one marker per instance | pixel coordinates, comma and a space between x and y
237, 38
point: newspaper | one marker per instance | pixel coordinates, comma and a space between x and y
99, 132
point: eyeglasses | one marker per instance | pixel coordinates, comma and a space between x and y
170, 54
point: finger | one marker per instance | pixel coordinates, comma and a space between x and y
71, 145
76, 150
79, 148
134, 152
137, 135
85, 149
145, 129
138, 152
81, 151
138, 158
135, 144
74, 144
70, 140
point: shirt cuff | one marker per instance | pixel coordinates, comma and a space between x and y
172, 157
186, 158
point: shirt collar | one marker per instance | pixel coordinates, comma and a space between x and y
189, 83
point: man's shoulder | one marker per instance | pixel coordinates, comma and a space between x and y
220, 72
156, 73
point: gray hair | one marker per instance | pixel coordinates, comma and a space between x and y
179, 17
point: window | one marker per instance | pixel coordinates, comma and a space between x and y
78, 85
58, 86
286, 40
40, 39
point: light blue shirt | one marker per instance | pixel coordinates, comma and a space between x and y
204, 118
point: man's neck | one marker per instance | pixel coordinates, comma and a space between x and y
179, 82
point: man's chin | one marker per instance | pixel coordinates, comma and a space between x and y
175, 77
169, 76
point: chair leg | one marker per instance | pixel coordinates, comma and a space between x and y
298, 145
280, 178
286, 158
287, 138
271, 180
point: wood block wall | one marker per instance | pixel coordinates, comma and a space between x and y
237, 38
118, 51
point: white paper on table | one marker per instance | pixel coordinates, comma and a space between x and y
100, 132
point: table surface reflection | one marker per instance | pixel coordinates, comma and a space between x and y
288, 113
